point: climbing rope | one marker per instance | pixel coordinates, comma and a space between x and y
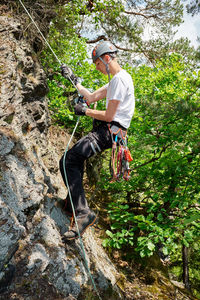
65, 174
74, 214
56, 57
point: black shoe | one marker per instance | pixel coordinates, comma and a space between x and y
63, 205
83, 223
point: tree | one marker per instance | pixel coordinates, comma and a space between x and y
193, 7
141, 30
159, 206
124, 23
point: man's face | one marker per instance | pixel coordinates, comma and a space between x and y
100, 66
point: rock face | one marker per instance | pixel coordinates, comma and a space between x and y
34, 263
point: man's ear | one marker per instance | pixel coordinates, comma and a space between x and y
107, 58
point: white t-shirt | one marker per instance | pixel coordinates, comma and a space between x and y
121, 88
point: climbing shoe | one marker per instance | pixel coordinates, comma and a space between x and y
63, 205
83, 223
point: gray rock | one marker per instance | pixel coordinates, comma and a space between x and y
31, 224
10, 233
6, 145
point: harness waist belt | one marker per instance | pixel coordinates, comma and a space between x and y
118, 125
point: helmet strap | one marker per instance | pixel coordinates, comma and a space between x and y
107, 68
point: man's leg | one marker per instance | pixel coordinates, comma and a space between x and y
74, 163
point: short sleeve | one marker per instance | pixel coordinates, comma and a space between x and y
116, 89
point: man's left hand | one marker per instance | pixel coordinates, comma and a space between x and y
68, 74
80, 109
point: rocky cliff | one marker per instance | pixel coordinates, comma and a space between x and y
34, 263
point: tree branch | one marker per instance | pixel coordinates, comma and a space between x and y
101, 37
153, 158
142, 15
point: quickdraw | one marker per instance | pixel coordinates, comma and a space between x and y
119, 167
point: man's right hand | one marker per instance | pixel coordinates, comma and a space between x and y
80, 109
68, 74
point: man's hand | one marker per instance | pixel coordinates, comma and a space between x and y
80, 109
68, 74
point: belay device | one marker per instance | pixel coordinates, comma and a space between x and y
80, 99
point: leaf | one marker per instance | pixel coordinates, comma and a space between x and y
150, 245
115, 226
192, 219
165, 251
160, 217
142, 253
139, 218
109, 233
185, 242
105, 243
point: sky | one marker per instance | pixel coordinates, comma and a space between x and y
190, 28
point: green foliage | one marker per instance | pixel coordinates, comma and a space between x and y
163, 193
159, 205
120, 236
73, 53
124, 23
60, 112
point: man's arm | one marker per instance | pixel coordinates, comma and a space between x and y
104, 115
92, 97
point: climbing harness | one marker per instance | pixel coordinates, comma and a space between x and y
66, 179
120, 154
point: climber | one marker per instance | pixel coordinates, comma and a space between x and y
120, 104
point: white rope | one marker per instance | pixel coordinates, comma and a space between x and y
40, 32
74, 214
44, 39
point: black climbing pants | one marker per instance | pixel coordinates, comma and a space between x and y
96, 141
